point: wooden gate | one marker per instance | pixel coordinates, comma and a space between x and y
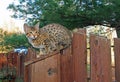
77, 63
55, 67
63, 66
43, 70
71, 65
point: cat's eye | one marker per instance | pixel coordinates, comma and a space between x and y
27, 33
36, 32
43, 48
31, 32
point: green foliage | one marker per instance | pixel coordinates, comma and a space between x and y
15, 40
71, 13
10, 41
18, 79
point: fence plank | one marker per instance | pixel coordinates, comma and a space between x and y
66, 66
8, 61
100, 59
52, 68
18, 66
42, 57
26, 70
117, 58
3, 60
80, 56
44, 70
38, 72
30, 55
27, 73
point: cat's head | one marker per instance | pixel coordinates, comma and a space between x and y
31, 32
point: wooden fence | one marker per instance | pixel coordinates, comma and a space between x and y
8, 66
70, 65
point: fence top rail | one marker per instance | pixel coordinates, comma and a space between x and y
42, 57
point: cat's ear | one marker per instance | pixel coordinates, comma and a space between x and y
37, 26
25, 27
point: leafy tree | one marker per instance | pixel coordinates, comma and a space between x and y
11, 41
16, 40
2, 35
70, 13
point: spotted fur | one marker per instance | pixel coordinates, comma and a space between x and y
49, 38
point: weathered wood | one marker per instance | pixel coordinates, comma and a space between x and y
71, 64
18, 65
52, 69
27, 69
80, 56
100, 59
30, 55
66, 66
42, 57
8, 61
117, 59
12, 58
46, 70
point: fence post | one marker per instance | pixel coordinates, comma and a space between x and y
80, 56
66, 66
100, 59
117, 59
27, 69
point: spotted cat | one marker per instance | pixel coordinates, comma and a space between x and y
48, 38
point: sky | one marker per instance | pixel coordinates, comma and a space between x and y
5, 17
4, 12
